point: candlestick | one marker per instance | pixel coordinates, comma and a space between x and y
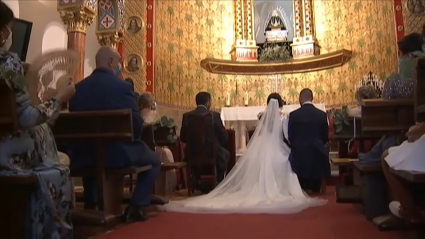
228, 99
246, 98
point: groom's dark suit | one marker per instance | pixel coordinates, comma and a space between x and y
308, 136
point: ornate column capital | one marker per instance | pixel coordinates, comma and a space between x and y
109, 39
77, 17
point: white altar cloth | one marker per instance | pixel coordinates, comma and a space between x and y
240, 117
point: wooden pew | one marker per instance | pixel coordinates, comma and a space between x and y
100, 127
15, 192
387, 116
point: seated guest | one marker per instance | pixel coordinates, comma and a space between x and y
33, 150
408, 157
203, 102
398, 85
104, 90
147, 107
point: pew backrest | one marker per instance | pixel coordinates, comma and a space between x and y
98, 127
8, 112
111, 125
379, 115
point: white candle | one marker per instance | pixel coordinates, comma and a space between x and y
228, 99
246, 98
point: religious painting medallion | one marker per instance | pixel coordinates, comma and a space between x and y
416, 7
134, 25
133, 63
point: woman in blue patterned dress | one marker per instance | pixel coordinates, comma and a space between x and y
32, 150
399, 85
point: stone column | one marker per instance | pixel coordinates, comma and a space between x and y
77, 15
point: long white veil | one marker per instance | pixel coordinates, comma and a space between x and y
262, 180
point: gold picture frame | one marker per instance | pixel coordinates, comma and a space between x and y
134, 24
133, 63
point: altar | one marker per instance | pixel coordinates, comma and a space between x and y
242, 118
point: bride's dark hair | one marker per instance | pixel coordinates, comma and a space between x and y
277, 97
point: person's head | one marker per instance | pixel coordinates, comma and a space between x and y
277, 97
134, 61
146, 101
133, 23
129, 80
410, 43
366, 92
6, 18
109, 58
203, 98
305, 95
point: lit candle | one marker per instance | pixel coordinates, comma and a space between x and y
228, 99
246, 98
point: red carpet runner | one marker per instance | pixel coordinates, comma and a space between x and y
332, 221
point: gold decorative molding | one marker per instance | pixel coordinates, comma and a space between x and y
315, 63
109, 39
245, 47
77, 18
304, 42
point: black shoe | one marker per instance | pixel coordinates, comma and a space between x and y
157, 200
134, 214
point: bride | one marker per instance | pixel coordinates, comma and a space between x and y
262, 180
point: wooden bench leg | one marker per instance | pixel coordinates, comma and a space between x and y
114, 193
161, 183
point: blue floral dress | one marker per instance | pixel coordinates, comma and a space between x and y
33, 150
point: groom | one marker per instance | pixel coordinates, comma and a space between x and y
308, 136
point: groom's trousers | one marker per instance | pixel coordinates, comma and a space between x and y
310, 184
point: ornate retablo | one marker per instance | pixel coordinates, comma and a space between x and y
276, 30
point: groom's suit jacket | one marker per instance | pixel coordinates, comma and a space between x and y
308, 136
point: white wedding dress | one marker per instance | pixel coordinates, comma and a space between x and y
262, 180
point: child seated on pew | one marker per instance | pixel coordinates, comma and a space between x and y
147, 107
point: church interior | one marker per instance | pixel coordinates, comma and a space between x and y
239, 51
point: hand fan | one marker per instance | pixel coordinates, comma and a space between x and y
49, 73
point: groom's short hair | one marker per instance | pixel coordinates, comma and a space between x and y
202, 98
306, 94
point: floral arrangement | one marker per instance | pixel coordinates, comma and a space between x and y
274, 52
164, 129
340, 118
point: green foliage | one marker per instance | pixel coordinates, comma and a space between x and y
340, 118
274, 52
165, 122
